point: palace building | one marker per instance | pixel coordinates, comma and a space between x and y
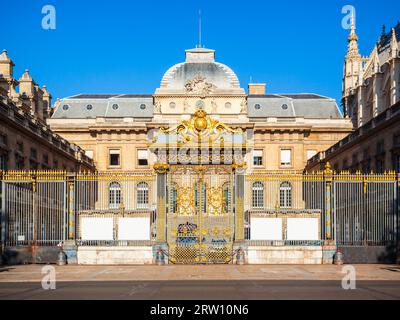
200, 171
114, 130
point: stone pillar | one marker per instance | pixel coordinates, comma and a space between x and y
239, 206
328, 174
161, 208
161, 212
69, 245
2, 218
71, 207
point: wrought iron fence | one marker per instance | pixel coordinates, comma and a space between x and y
355, 209
47, 207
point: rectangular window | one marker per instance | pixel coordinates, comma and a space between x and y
55, 164
45, 159
397, 162
114, 157
258, 157
286, 157
3, 140
143, 156
20, 146
89, 153
3, 161
33, 153
311, 153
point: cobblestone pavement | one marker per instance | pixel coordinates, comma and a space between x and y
33, 273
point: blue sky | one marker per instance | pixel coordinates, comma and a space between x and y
126, 46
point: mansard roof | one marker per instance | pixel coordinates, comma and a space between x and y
292, 105
91, 106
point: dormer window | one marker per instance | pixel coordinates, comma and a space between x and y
142, 106
115, 106
257, 106
65, 107
89, 107
284, 106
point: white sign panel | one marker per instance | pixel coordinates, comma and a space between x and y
266, 228
97, 228
303, 229
134, 228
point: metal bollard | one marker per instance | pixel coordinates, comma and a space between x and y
62, 259
160, 259
338, 258
240, 257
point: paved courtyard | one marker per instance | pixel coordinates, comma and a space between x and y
33, 273
201, 282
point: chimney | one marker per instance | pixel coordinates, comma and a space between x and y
256, 88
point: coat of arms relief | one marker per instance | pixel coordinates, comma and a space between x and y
199, 85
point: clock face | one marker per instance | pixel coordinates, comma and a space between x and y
200, 104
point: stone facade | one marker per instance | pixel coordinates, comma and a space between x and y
26, 141
301, 124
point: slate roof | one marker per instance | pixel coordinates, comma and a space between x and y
110, 106
292, 105
384, 40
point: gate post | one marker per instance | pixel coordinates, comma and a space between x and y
328, 176
161, 214
2, 217
69, 246
239, 206
239, 240
397, 214
71, 207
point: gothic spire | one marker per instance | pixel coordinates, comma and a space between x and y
352, 49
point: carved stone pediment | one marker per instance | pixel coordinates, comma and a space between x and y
199, 85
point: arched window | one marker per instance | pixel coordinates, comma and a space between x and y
114, 195
142, 199
258, 194
285, 195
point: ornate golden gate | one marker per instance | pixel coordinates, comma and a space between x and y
200, 214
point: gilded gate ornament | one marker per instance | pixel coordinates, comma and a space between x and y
200, 223
185, 201
215, 200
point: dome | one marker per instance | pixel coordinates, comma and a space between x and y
200, 72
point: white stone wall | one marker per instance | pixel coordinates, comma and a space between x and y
284, 255
115, 255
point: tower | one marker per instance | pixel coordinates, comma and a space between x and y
352, 70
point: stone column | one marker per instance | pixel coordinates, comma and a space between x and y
161, 208
161, 212
69, 246
328, 174
239, 206
239, 241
